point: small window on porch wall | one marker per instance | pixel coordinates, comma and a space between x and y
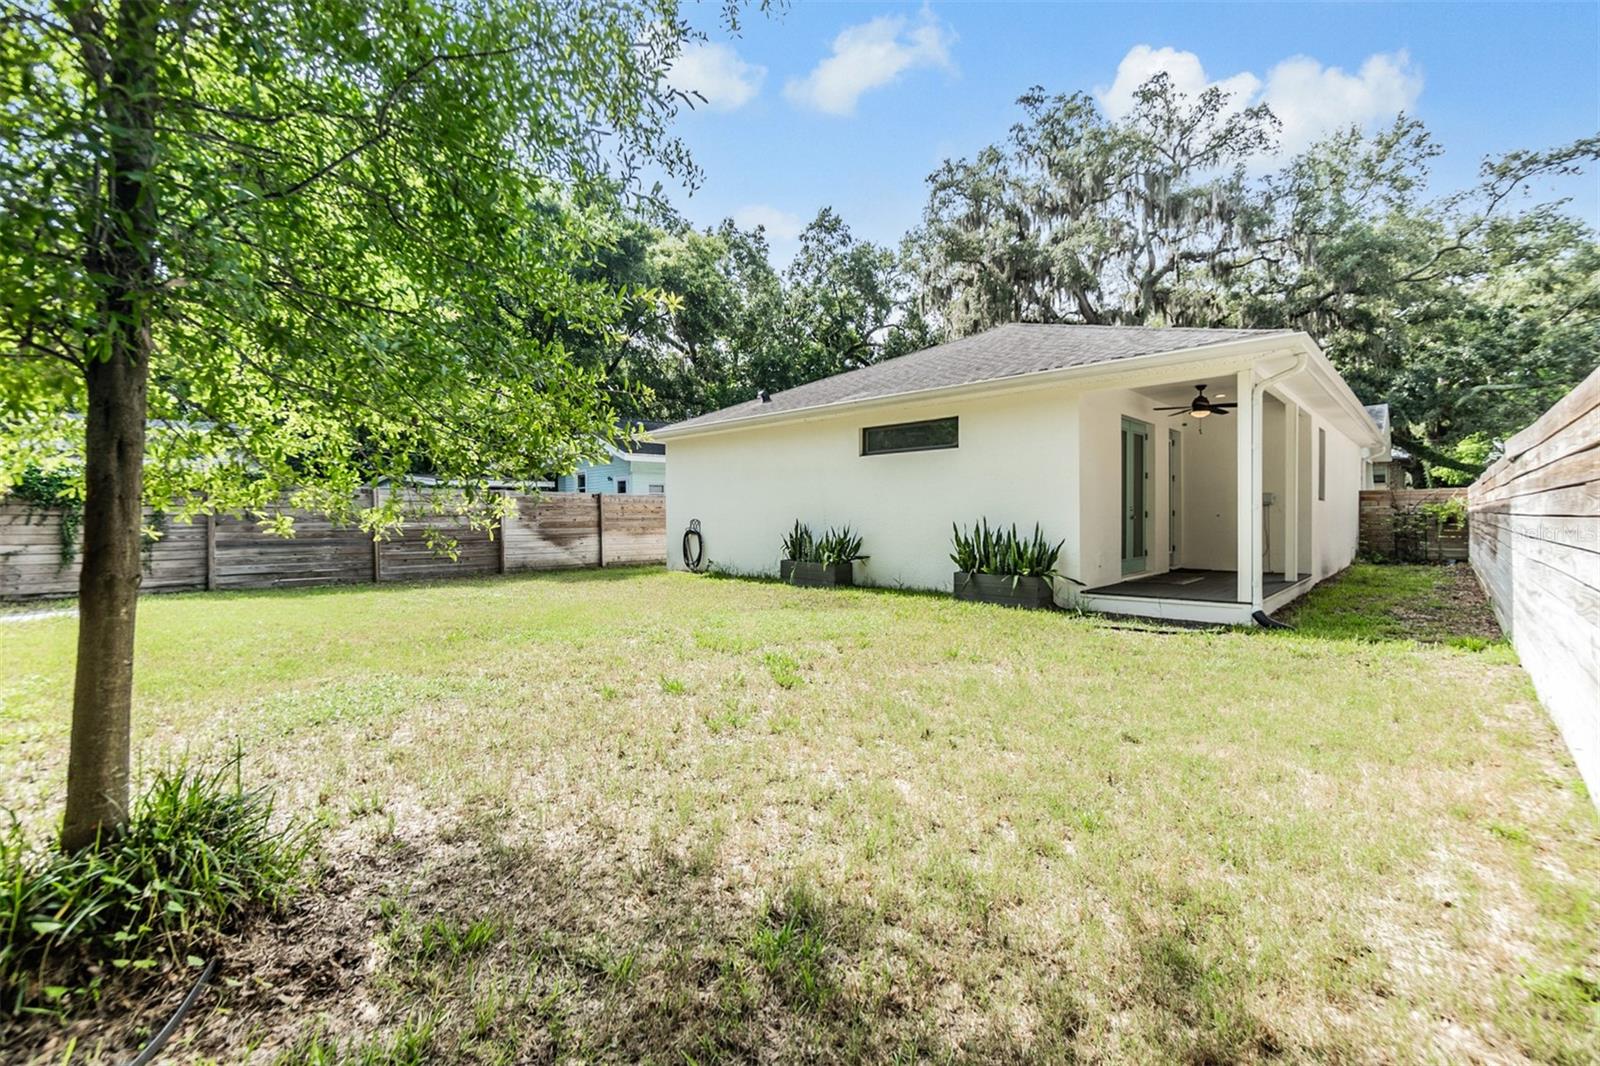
622, 485
583, 483
1322, 464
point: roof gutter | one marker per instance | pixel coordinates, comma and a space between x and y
1301, 361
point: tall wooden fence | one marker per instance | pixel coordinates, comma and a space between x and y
1535, 519
552, 531
1396, 525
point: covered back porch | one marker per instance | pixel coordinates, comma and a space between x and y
1214, 517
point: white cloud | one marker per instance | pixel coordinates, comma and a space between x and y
716, 72
780, 225
1311, 99
869, 56
1308, 98
1143, 62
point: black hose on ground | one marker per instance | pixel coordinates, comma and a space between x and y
1266, 621
157, 1042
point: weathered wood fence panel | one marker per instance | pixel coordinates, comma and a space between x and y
636, 529
562, 532
319, 553
553, 531
31, 563
1535, 539
1393, 526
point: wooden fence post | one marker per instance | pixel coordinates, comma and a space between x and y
600, 539
377, 545
500, 536
211, 552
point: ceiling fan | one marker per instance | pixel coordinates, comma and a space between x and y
1199, 407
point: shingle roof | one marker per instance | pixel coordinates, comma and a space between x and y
641, 427
1003, 352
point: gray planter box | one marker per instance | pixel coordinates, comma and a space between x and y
1004, 589
816, 575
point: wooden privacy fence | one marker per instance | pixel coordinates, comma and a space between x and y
552, 531
1398, 525
1535, 520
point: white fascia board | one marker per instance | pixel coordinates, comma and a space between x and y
1239, 352
1362, 429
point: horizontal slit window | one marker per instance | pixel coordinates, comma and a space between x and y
911, 436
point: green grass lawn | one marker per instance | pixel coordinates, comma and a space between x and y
632, 815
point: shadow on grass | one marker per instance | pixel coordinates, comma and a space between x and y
457, 946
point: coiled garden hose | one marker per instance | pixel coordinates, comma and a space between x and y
694, 547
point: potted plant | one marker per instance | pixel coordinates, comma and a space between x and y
1000, 566
819, 562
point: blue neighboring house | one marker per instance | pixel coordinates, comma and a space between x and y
639, 467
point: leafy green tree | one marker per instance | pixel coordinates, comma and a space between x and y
305, 241
710, 322
1078, 218
1465, 314
1468, 319
847, 303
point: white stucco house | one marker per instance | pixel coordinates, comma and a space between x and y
1203, 513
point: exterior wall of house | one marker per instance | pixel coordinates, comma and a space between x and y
1100, 487
1208, 493
1050, 455
1017, 462
1336, 520
647, 474
1274, 482
638, 474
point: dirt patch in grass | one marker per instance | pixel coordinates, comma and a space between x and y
456, 944
1456, 609
1435, 604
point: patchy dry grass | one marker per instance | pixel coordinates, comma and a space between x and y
632, 816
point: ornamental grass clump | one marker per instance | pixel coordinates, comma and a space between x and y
198, 851
1003, 551
798, 544
835, 546
838, 546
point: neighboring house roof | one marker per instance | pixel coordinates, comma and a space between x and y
1003, 352
429, 481
643, 448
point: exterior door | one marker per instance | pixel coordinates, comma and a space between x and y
1174, 494
1137, 466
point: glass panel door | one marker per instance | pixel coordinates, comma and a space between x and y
1137, 467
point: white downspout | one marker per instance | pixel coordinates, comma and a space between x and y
1301, 360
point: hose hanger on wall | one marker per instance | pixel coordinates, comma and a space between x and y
694, 547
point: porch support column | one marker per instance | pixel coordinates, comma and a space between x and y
1291, 491
1248, 524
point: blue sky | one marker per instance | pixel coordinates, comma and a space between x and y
853, 104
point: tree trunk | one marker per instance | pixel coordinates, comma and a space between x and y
117, 373
108, 592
